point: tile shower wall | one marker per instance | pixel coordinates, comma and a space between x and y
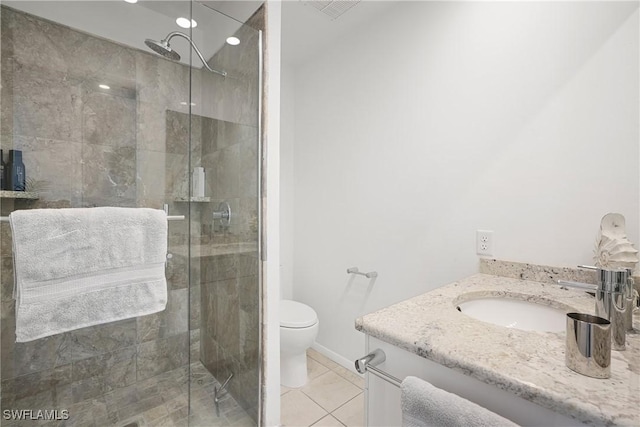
129, 146
86, 147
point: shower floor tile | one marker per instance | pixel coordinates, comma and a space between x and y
158, 401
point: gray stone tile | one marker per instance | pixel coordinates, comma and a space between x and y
227, 313
108, 119
44, 158
248, 220
121, 397
180, 416
177, 175
88, 388
194, 344
150, 179
6, 278
113, 370
82, 419
24, 358
6, 241
220, 267
6, 101
209, 135
155, 413
150, 131
195, 307
248, 176
139, 407
43, 399
177, 272
35, 383
248, 266
171, 321
40, 43
162, 355
148, 327
209, 353
224, 176
40, 96
177, 402
100, 339
108, 175
177, 128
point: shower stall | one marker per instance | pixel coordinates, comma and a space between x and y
103, 120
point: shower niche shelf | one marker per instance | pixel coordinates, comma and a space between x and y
194, 199
6, 194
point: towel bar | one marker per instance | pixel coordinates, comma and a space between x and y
369, 362
169, 218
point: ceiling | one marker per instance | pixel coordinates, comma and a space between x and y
307, 32
131, 24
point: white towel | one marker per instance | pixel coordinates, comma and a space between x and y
424, 405
86, 266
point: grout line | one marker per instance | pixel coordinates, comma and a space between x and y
347, 378
330, 369
354, 397
325, 413
320, 362
318, 403
339, 422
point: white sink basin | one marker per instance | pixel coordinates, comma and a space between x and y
512, 313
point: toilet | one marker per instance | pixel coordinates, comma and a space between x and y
298, 331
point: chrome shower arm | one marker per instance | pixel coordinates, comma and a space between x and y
193, 45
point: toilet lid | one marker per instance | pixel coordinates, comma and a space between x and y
296, 315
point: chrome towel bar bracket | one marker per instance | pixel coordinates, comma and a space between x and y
369, 362
369, 275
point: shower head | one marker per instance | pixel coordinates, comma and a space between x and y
162, 48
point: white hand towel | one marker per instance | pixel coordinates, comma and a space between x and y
424, 405
86, 266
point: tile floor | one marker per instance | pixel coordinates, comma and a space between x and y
333, 396
158, 401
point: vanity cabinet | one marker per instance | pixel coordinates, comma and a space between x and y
517, 373
382, 399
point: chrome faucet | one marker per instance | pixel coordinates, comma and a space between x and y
612, 294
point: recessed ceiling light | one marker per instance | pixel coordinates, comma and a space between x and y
104, 87
131, 1
185, 23
233, 41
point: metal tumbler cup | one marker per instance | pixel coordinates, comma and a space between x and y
588, 350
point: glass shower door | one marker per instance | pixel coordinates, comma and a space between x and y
224, 283
102, 120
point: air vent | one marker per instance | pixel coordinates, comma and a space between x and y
333, 8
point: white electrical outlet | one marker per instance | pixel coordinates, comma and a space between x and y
484, 242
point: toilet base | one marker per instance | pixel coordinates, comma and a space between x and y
293, 370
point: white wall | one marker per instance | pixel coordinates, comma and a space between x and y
287, 178
442, 118
271, 265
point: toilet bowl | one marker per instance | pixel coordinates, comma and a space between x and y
298, 331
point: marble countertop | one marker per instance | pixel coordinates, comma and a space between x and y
528, 364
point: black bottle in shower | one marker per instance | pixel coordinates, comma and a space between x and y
15, 171
3, 171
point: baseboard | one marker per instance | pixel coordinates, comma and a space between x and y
340, 360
